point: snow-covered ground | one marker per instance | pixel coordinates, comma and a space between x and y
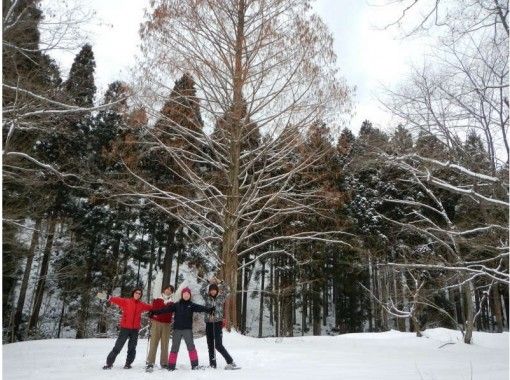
379, 356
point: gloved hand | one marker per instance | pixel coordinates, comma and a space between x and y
212, 309
151, 313
223, 323
103, 296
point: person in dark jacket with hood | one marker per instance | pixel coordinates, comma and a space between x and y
215, 294
183, 326
132, 309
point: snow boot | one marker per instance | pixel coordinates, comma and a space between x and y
127, 366
149, 368
107, 366
232, 366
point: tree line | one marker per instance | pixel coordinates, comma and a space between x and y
235, 169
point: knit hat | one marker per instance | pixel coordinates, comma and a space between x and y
186, 290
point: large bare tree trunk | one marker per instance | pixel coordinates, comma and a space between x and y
229, 252
41, 282
24, 282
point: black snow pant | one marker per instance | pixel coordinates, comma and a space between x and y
214, 334
125, 334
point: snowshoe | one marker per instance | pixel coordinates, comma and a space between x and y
197, 367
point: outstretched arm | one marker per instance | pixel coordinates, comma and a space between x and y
223, 294
203, 290
201, 308
167, 309
119, 301
146, 307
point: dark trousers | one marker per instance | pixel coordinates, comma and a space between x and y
214, 334
125, 334
187, 335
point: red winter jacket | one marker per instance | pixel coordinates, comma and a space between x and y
158, 303
131, 311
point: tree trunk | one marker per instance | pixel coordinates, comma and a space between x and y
81, 331
316, 311
246, 282
151, 265
261, 304
271, 288
239, 299
24, 282
41, 282
61, 319
230, 236
115, 263
169, 254
123, 263
371, 310
496, 305
504, 307
453, 299
277, 298
140, 255
325, 303
415, 315
467, 292
478, 306
177, 268
304, 309
84, 312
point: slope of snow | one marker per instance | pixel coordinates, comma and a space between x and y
380, 356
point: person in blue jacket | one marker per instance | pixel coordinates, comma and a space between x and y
183, 326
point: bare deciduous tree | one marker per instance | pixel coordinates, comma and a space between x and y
260, 67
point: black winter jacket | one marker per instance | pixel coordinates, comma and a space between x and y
183, 313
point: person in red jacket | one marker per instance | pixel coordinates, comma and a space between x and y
132, 309
160, 330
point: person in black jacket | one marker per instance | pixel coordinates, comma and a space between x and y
183, 323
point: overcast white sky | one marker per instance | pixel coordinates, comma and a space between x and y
368, 57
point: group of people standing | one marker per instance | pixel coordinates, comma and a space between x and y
169, 318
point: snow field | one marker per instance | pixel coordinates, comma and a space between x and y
379, 356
